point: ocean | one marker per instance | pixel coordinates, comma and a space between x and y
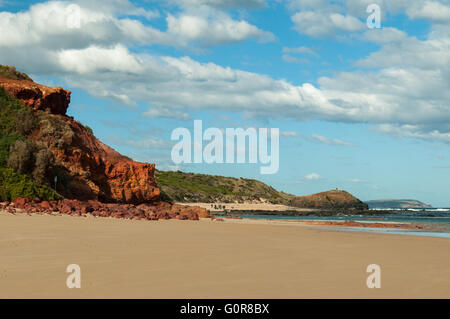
435, 221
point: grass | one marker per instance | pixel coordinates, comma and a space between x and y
10, 72
13, 185
191, 187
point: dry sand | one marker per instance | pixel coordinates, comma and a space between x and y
204, 259
249, 206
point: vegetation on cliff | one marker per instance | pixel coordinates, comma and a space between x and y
40, 141
189, 187
11, 73
24, 164
334, 199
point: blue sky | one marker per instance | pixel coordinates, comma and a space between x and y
366, 110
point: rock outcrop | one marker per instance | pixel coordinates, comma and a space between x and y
397, 204
156, 211
39, 97
92, 170
334, 199
97, 172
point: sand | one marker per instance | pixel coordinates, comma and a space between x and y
205, 259
248, 206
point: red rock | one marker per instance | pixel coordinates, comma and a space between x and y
45, 205
97, 171
20, 202
162, 215
37, 96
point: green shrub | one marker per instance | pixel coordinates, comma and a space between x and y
27, 157
6, 141
25, 121
13, 185
89, 129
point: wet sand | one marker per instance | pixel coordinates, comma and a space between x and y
206, 259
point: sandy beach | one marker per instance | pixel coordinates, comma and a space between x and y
214, 207
206, 259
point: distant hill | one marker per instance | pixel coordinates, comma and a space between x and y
190, 187
334, 199
397, 204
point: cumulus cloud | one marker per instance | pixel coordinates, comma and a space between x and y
209, 22
320, 24
46, 25
430, 10
406, 86
415, 131
223, 4
216, 30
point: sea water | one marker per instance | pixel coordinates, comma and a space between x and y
438, 219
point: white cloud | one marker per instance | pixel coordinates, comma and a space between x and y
406, 86
224, 4
45, 25
216, 30
313, 177
430, 10
415, 131
108, 24
96, 59
384, 35
330, 141
118, 7
321, 24
346, 23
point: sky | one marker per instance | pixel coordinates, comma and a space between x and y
361, 109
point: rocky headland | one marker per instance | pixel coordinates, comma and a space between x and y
91, 177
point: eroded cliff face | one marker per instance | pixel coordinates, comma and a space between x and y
39, 97
95, 171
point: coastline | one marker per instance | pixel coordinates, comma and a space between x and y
230, 209
207, 259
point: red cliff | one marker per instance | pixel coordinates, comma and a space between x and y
39, 97
94, 170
